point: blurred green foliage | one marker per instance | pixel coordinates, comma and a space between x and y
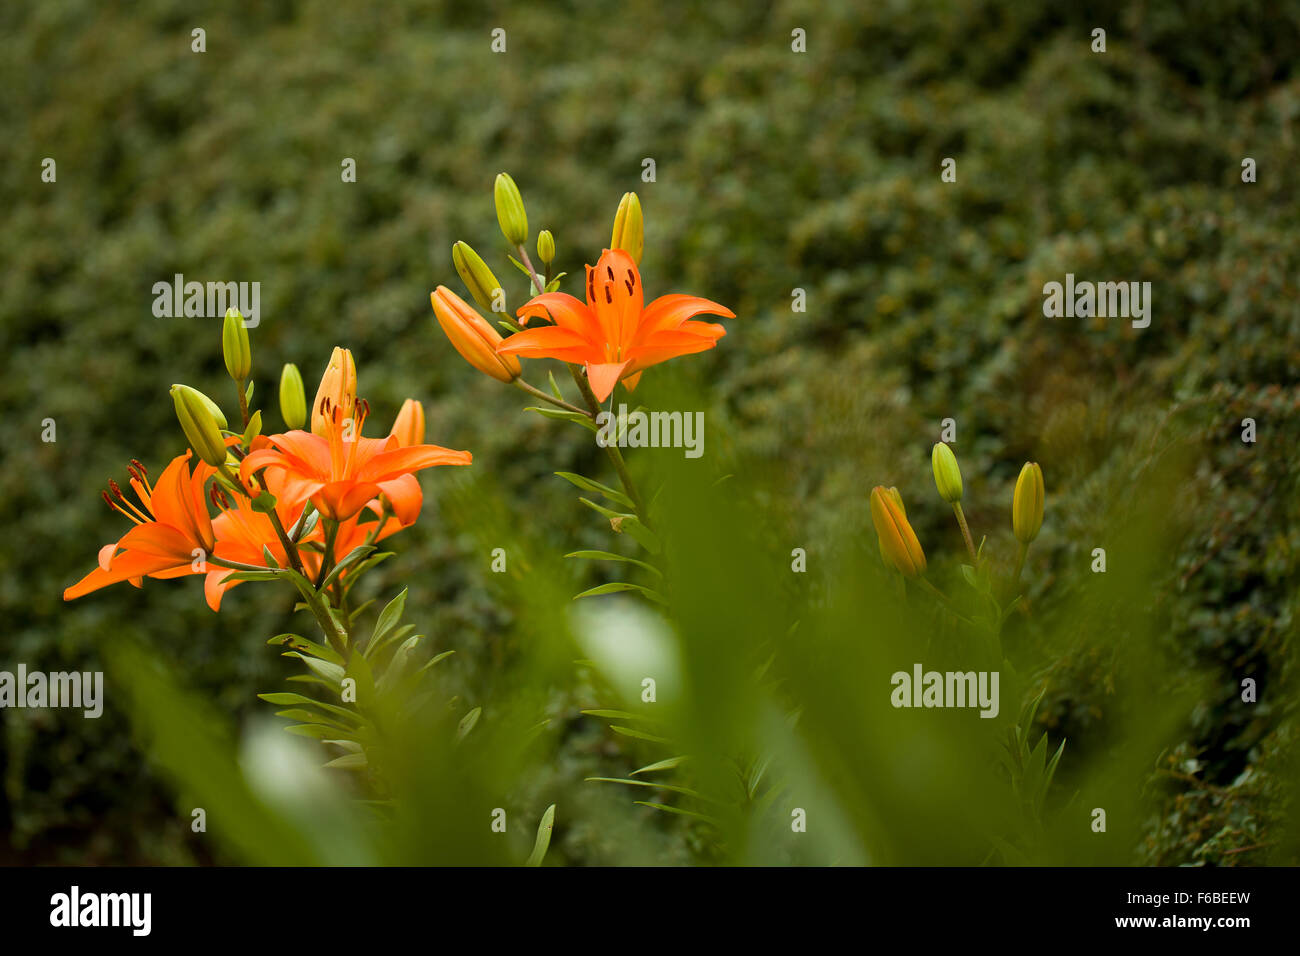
775, 171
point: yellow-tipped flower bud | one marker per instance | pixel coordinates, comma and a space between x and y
546, 246
898, 499
194, 412
293, 398
473, 336
629, 227
898, 541
337, 395
510, 210
476, 275
1027, 504
409, 424
234, 346
947, 475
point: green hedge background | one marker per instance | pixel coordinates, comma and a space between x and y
775, 171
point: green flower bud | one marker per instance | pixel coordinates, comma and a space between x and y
947, 476
194, 411
234, 346
293, 398
545, 246
629, 227
510, 210
1027, 503
476, 275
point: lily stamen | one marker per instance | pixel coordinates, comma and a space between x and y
122, 503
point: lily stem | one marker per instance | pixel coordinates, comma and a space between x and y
588, 396
241, 386
289, 547
965, 529
615, 456
327, 560
557, 402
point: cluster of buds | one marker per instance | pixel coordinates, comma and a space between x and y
898, 542
474, 337
201, 418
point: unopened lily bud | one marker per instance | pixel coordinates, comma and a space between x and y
898, 542
1027, 503
194, 412
293, 398
234, 346
898, 499
337, 395
476, 275
409, 424
629, 227
947, 474
546, 246
473, 336
510, 210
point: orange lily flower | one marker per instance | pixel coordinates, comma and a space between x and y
615, 335
341, 473
171, 524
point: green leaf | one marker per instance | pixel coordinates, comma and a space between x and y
310, 717
254, 427
287, 698
555, 283
638, 734
603, 510
296, 643
543, 840
610, 556
265, 502
561, 415
611, 714
467, 723
373, 650
330, 672
588, 484
631, 525
667, 764
305, 524
351, 558
234, 576
436, 658
361, 569
388, 618
314, 731
647, 783
615, 586
555, 389
359, 670
349, 762
667, 809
